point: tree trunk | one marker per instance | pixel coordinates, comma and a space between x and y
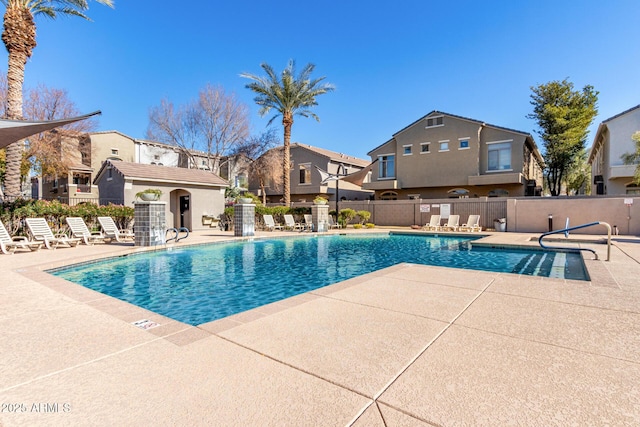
15, 79
287, 122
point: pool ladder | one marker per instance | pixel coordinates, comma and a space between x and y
566, 233
177, 232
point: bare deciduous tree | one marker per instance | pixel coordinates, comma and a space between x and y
213, 124
267, 172
53, 152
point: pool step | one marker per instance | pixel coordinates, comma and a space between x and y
551, 264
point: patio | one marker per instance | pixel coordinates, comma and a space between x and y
408, 345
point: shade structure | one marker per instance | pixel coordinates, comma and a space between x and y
356, 178
15, 130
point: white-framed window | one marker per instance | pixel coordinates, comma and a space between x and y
444, 145
389, 195
386, 168
156, 157
114, 151
305, 173
499, 155
425, 147
463, 144
435, 121
406, 150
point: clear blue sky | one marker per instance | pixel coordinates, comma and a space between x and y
391, 62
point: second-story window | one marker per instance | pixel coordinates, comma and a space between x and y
464, 143
114, 151
406, 150
305, 174
499, 156
444, 145
425, 147
387, 166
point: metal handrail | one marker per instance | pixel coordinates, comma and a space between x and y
566, 232
175, 237
177, 232
182, 229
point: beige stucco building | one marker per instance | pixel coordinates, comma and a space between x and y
306, 181
191, 194
443, 155
612, 140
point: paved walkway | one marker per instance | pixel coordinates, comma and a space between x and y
405, 346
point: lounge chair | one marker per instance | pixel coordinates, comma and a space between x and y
332, 223
434, 223
41, 232
111, 231
472, 224
270, 224
308, 222
291, 224
79, 229
452, 223
8, 244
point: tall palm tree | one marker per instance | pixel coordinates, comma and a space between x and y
289, 95
19, 37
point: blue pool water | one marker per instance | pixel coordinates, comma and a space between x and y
199, 284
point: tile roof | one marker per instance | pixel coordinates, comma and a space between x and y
339, 157
164, 173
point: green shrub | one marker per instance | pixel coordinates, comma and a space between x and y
364, 216
357, 226
345, 216
369, 225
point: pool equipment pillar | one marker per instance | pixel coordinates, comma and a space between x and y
150, 223
244, 219
320, 218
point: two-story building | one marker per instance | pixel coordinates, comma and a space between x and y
443, 155
85, 154
306, 181
613, 140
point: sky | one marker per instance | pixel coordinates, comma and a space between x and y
391, 62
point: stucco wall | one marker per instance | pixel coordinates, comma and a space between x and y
532, 215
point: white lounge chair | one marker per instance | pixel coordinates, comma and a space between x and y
41, 232
111, 231
452, 224
308, 222
270, 224
79, 229
472, 224
434, 223
291, 224
332, 223
8, 244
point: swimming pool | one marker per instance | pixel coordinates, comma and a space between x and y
199, 284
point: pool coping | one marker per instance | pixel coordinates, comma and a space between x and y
608, 280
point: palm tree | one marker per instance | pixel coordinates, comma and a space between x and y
289, 95
19, 37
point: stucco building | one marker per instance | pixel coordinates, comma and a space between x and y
444, 155
612, 140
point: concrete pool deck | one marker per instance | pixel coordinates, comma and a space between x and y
408, 345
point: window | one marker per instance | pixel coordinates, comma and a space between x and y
435, 121
389, 195
444, 145
425, 147
406, 150
109, 173
499, 156
464, 143
156, 157
498, 192
631, 189
460, 193
305, 174
114, 151
386, 168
